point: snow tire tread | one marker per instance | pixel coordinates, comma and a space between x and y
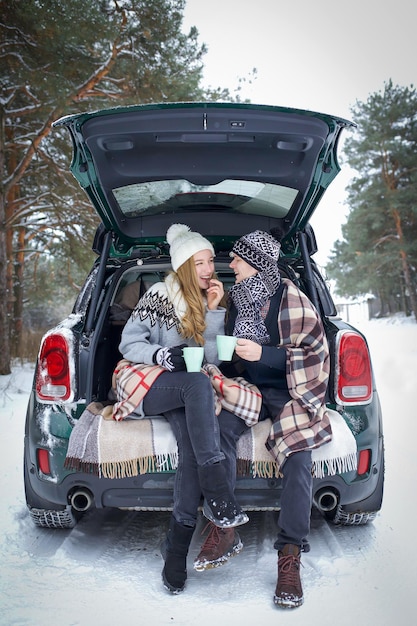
53, 519
346, 518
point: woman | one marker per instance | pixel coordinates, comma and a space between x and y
183, 310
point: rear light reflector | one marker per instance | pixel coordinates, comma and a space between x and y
43, 461
53, 380
364, 462
353, 369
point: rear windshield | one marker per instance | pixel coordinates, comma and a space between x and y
240, 196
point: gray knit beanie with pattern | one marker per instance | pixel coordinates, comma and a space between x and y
259, 249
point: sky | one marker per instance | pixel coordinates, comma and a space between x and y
322, 56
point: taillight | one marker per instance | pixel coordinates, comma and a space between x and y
353, 369
43, 461
53, 381
364, 462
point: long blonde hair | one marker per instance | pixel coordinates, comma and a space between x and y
193, 323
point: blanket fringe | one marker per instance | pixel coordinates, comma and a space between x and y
265, 469
86, 467
120, 469
169, 462
141, 465
320, 468
257, 469
330, 467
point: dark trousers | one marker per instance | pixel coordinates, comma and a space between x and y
297, 482
204, 438
296, 501
187, 491
192, 395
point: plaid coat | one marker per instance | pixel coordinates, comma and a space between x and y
303, 422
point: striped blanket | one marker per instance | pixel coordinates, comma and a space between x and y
119, 449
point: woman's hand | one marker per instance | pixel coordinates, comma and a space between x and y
248, 350
215, 293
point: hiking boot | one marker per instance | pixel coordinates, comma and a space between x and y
220, 545
289, 593
220, 505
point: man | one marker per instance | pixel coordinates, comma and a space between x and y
282, 349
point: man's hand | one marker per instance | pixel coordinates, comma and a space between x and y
248, 350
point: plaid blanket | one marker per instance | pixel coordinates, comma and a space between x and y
131, 381
236, 395
303, 423
119, 449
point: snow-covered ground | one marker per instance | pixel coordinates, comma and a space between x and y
106, 571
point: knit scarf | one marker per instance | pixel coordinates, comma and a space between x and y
249, 296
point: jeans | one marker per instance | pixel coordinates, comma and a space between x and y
187, 491
193, 393
297, 482
296, 501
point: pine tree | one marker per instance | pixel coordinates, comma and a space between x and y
379, 251
60, 57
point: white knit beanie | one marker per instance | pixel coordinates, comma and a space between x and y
184, 243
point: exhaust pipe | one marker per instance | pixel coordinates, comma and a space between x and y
326, 500
81, 499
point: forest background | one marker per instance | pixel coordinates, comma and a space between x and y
61, 57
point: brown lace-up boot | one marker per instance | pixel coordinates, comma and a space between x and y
289, 593
219, 546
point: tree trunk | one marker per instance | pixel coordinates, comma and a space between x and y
9, 192
4, 320
18, 294
405, 266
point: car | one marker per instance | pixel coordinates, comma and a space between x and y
223, 169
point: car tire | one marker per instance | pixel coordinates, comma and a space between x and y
46, 514
44, 518
341, 517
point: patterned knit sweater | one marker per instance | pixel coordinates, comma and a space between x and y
155, 323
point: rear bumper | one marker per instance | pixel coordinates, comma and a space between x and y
153, 492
